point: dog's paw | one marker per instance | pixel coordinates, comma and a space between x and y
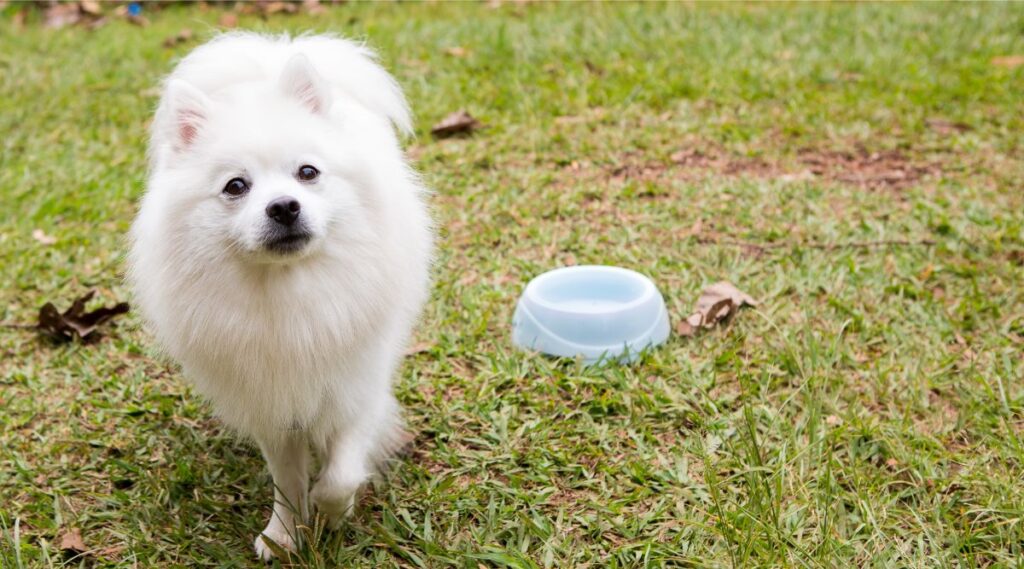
334, 502
279, 536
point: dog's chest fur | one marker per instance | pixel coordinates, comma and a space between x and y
274, 350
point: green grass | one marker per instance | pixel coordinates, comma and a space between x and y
869, 413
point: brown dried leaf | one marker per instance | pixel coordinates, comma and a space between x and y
71, 541
1009, 61
694, 231
945, 127
685, 329
183, 36
269, 8
75, 321
459, 122
228, 20
456, 51
91, 7
718, 303
61, 15
419, 347
313, 7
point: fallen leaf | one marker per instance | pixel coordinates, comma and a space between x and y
99, 23
943, 126
110, 551
695, 230
133, 13
181, 37
685, 329
419, 347
718, 303
313, 7
1009, 61
61, 15
90, 7
75, 321
456, 51
275, 7
41, 236
833, 420
71, 541
459, 122
228, 20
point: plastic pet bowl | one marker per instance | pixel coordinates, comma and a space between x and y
596, 312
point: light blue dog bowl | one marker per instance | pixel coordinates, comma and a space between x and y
596, 312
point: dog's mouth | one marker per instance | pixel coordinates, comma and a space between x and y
288, 243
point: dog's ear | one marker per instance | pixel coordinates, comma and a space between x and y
189, 110
300, 80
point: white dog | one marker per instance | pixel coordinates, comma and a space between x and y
281, 255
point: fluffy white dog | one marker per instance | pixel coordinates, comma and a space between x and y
281, 255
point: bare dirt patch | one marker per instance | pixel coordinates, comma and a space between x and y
888, 169
688, 164
860, 167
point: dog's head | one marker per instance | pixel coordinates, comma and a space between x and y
264, 170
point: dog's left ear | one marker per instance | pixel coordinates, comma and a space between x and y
300, 80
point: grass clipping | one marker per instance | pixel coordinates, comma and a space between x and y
717, 304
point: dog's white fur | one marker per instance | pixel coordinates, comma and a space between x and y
294, 349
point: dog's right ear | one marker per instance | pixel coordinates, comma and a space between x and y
300, 80
189, 110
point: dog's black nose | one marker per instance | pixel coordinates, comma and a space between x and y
284, 210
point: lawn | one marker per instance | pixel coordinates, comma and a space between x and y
858, 169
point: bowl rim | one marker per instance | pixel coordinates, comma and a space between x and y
531, 292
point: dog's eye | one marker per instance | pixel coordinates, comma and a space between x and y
236, 187
307, 173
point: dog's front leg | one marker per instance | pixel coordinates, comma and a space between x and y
288, 461
346, 466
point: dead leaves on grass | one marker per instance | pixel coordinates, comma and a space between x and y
419, 347
946, 127
458, 123
91, 13
1008, 61
75, 322
857, 166
228, 20
95, 13
456, 51
717, 304
887, 169
71, 542
184, 36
